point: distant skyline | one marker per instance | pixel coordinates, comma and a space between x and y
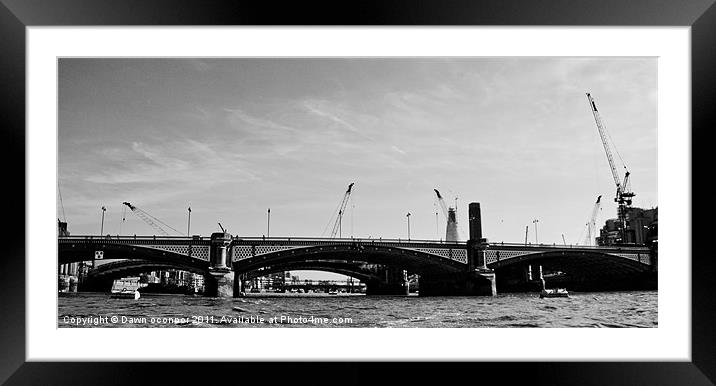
231, 138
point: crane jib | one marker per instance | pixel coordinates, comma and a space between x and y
341, 210
150, 220
605, 143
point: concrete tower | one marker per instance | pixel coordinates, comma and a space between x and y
451, 233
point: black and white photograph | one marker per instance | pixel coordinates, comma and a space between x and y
238, 189
354, 192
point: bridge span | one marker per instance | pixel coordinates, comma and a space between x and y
445, 268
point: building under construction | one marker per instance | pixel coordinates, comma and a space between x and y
641, 228
451, 217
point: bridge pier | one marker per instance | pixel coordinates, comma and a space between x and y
221, 280
473, 283
222, 284
395, 283
654, 259
477, 280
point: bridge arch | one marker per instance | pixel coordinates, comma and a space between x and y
79, 250
411, 260
123, 268
101, 278
577, 262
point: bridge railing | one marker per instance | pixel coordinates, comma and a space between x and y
253, 239
130, 238
573, 246
347, 240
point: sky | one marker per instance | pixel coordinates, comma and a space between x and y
233, 137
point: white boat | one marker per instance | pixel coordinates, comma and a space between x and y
554, 293
125, 288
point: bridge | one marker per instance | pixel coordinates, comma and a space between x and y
445, 268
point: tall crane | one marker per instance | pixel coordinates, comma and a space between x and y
442, 203
592, 225
61, 224
451, 233
341, 210
151, 220
624, 195
62, 205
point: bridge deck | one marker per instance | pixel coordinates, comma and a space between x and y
293, 240
342, 241
248, 247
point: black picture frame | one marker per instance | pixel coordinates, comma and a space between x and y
16, 15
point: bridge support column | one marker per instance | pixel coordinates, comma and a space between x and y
221, 279
478, 279
220, 283
473, 283
395, 283
218, 254
476, 244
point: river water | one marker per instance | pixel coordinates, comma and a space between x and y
592, 309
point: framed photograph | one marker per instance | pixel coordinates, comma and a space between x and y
393, 183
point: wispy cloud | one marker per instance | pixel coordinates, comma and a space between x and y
163, 163
258, 122
317, 108
397, 149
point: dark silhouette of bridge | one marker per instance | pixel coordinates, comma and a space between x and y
445, 268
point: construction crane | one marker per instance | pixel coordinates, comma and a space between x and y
624, 195
336, 230
61, 224
151, 220
592, 224
62, 205
442, 204
451, 233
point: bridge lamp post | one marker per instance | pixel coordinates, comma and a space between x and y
408, 217
268, 223
188, 223
437, 227
535, 221
101, 228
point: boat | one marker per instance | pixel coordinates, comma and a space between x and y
125, 288
554, 293
333, 292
